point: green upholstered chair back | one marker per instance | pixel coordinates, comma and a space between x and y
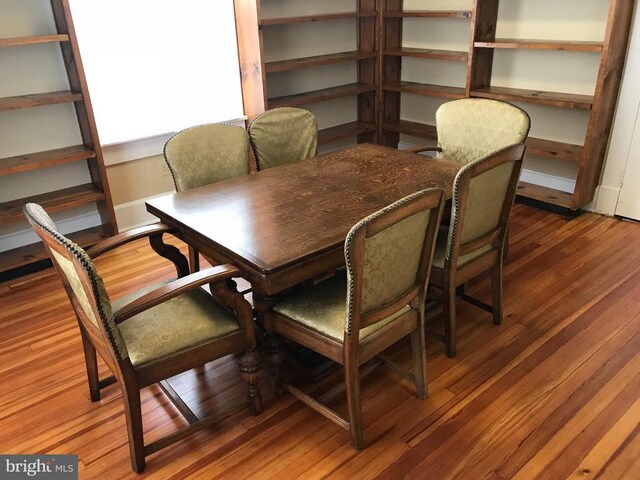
283, 135
472, 128
207, 154
388, 255
483, 194
84, 286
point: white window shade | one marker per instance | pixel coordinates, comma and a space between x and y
157, 66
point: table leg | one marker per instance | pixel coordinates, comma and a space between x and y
170, 253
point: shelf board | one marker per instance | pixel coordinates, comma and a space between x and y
426, 89
38, 99
316, 18
331, 134
521, 43
35, 252
455, 56
320, 95
50, 158
306, 62
429, 14
544, 194
550, 148
553, 99
55, 201
33, 40
415, 129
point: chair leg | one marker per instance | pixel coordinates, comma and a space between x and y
133, 415
250, 369
352, 382
274, 352
496, 291
194, 259
450, 319
419, 350
91, 362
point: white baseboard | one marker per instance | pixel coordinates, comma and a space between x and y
134, 214
605, 200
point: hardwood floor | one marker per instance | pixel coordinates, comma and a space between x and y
553, 393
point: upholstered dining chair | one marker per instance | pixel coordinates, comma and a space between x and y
155, 333
473, 243
472, 128
283, 135
352, 317
206, 154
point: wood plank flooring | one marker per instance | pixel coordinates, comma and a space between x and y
553, 393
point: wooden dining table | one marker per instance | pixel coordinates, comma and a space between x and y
288, 224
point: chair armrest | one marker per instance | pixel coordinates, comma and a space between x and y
175, 288
423, 148
129, 236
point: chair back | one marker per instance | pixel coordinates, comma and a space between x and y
472, 128
388, 256
207, 154
483, 194
283, 135
82, 283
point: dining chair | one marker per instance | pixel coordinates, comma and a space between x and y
155, 333
472, 128
473, 243
354, 316
283, 135
206, 154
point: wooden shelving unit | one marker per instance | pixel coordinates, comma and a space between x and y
588, 157
254, 32
95, 192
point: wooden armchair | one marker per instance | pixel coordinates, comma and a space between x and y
206, 154
380, 299
283, 135
153, 334
483, 194
472, 128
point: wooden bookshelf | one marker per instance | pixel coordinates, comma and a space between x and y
381, 87
33, 40
600, 106
255, 28
454, 56
316, 18
427, 89
561, 45
50, 158
35, 252
553, 149
38, 99
317, 60
428, 14
552, 99
346, 130
545, 195
54, 201
321, 95
97, 190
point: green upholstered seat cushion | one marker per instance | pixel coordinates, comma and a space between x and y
185, 321
323, 308
472, 128
441, 251
207, 154
283, 135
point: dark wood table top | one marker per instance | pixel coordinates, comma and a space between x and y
286, 215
